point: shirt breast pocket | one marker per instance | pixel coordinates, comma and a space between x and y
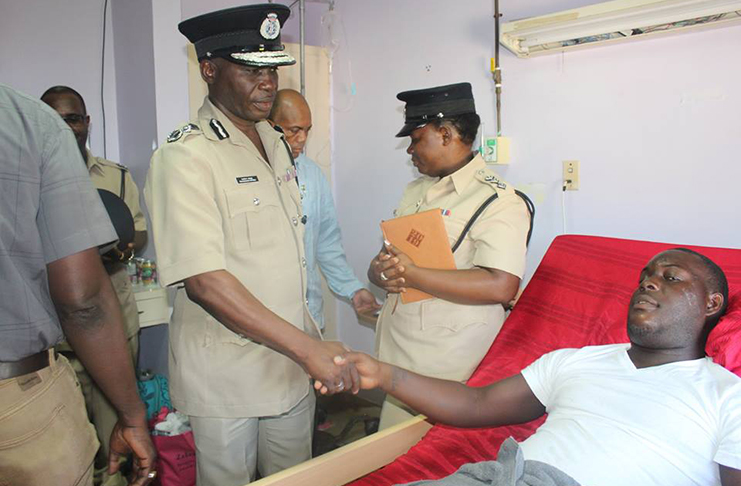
438, 314
254, 213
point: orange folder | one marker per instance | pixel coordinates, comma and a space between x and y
423, 238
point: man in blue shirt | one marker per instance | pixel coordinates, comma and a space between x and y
322, 237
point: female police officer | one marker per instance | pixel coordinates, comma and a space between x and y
448, 335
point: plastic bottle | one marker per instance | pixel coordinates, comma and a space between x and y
146, 273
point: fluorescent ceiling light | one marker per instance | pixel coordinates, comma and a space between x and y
614, 21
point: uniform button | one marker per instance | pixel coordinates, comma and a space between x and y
481, 171
278, 179
295, 221
256, 201
307, 301
303, 262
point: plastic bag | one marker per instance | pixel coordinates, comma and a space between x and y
176, 449
176, 459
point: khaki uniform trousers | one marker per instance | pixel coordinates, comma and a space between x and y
45, 435
229, 451
103, 416
101, 412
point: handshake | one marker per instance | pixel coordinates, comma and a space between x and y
345, 370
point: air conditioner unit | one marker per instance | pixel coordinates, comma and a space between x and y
614, 21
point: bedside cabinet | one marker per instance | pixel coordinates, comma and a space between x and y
153, 308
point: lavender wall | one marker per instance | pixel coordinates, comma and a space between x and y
135, 94
44, 43
656, 125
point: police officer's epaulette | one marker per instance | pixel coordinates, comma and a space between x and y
178, 133
120, 166
491, 178
218, 129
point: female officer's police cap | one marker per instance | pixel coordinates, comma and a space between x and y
247, 35
425, 105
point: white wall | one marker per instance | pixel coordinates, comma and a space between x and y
656, 125
45, 43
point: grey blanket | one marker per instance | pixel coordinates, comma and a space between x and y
510, 469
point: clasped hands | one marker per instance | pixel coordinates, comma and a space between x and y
392, 270
330, 370
369, 371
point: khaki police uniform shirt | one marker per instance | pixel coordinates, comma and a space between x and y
215, 204
435, 337
107, 175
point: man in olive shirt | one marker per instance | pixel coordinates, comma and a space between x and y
114, 178
53, 286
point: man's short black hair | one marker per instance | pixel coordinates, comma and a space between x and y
64, 90
716, 283
466, 125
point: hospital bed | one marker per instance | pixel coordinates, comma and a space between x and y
577, 297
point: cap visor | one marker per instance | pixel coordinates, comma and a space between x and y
407, 129
263, 59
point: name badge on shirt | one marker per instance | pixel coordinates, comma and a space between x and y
246, 179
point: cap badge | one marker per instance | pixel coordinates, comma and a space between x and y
270, 28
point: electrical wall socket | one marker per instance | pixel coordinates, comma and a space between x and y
571, 175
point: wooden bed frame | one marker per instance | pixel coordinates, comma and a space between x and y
352, 461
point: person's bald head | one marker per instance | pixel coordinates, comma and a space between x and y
292, 114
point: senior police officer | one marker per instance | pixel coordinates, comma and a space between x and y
227, 225
116, 179
466, 313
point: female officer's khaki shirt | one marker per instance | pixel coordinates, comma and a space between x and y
435, 337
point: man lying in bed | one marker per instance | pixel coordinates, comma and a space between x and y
656, 411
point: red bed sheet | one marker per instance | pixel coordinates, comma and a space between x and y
578, 296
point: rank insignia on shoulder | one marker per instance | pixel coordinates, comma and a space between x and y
177, 134
497, 182
218, 129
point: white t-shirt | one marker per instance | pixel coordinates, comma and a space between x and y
612, 424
